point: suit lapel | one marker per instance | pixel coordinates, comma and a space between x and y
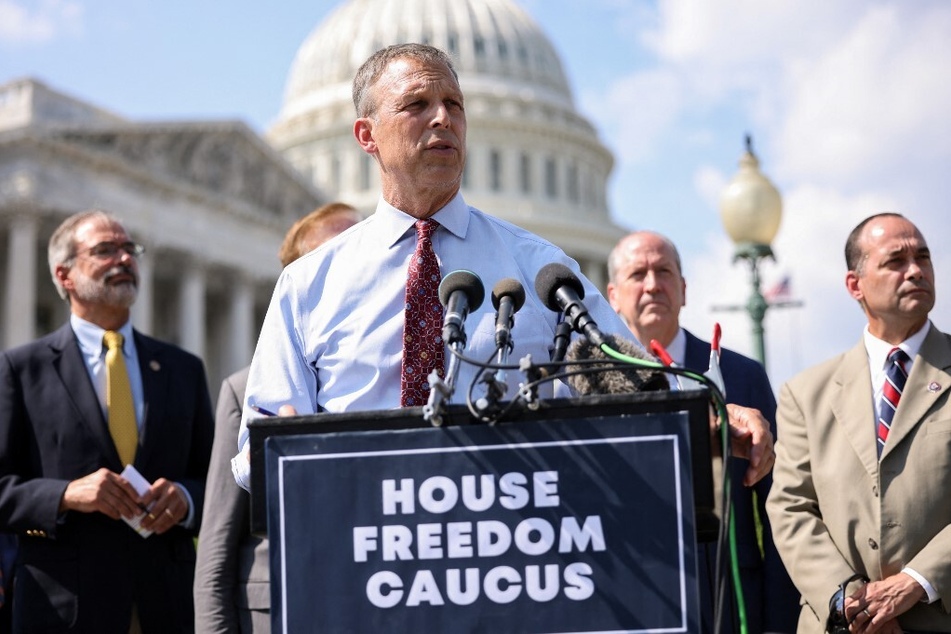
696, 354
930, 378
154, 389
852, 406
71, 369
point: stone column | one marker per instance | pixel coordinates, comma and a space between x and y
239, 345
191, 311
142, 310
595, 270
19, 301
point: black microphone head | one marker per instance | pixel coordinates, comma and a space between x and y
510, 288
465, 281
627, 380
550, 278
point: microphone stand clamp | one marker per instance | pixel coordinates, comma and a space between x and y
528, 391
439, 391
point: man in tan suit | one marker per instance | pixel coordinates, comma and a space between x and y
850, 494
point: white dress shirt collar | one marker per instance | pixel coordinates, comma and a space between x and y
878, 350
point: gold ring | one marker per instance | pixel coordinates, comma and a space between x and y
151, 517
169, 513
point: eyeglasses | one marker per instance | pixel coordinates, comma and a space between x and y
838, 623
111, 250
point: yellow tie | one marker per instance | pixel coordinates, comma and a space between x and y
122, 426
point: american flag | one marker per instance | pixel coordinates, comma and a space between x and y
779, 291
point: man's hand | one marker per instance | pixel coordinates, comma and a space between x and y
102, 491
875, 606
167, 506
750, 438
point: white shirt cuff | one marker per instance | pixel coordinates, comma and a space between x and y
932, 593
241, 470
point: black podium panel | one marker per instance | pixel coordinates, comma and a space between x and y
581, 522
694, 403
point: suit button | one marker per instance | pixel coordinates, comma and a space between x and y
875, 490
872, 544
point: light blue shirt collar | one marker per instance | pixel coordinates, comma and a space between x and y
90, 335
395, 224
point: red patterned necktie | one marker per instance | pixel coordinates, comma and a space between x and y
895, 377
423, 349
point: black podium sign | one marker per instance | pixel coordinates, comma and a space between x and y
584, 525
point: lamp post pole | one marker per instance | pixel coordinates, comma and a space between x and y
756, 305
751, 210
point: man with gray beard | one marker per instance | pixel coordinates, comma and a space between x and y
80, 409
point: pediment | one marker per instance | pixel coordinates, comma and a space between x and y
225, 159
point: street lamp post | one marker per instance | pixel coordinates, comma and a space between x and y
751, 210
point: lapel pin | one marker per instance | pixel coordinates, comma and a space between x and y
156, 367
934, 386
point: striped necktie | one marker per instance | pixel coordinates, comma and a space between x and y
895, 377
122, 425
423, 349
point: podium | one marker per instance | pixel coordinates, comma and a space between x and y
580, 516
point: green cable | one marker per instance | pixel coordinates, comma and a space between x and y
734, 553
720, 406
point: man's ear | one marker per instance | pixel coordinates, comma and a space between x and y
62, 274
612, 293
363, 133
852, 285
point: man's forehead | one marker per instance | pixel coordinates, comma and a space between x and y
648, 249
894, 235
415, 74
97, 228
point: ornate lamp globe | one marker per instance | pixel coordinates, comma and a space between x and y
751, 208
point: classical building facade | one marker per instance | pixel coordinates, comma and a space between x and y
212, 200
533, 159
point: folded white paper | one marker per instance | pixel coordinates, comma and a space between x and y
141, 486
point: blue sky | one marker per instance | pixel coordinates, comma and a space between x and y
847, 103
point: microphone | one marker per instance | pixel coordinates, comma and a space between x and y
626, 380
561, 291
508, 296
562, 339
460, 292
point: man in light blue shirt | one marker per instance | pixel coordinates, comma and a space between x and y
332, 338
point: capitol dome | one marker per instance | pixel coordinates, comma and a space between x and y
532, 158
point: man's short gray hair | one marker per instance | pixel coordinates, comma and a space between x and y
371, 70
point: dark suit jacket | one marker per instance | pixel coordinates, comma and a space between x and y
772, 602
81, 572
232, 592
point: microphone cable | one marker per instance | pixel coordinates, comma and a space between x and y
727, 532
726, 537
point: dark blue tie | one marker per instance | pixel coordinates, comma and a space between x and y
895, 377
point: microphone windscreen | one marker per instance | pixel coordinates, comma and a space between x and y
550, 278
465, 281
628, 380
511, 288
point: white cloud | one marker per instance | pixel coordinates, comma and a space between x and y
876, 104
641, 107
850, 103
38, 22
710, 183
